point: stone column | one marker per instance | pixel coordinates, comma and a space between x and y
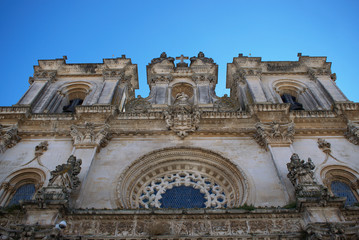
88, 140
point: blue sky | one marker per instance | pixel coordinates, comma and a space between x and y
88, 31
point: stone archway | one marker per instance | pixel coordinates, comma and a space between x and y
144, 182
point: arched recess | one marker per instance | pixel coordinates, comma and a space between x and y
73, 92
144, 182
20, 178
344, 176
298, 90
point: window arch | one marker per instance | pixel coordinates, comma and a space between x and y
21, 185
342, 182
206, 178
68, 97
297, 94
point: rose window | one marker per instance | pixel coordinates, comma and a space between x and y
182, 190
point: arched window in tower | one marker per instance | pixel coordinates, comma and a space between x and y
24, 192
294, 105
341, 189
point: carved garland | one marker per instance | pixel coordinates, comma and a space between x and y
134, 184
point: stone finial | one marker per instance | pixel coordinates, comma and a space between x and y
162, 57
201, 57
274, 133
9, 137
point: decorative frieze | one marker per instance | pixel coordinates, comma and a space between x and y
9, 137
352, 133
274, 133
89, 135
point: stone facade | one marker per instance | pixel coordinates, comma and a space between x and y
96, 162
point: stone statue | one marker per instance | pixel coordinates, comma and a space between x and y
299, 171
301, 176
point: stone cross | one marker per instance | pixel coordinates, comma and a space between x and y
181, 58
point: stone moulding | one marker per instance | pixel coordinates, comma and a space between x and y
205, 163
346, 106
97, 109
270, 107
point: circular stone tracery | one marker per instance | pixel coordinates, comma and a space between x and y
144, 182
214, 195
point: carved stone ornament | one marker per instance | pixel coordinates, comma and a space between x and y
338, 231
31, 232
201, 57
114, 74
8, 137
138, 105
324, 145
226, 104
160, 78
274, 133
39, 151
45, 75
162, 58
41, 148
89, 135
352, 133
182, 118
63, 180
301, 176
